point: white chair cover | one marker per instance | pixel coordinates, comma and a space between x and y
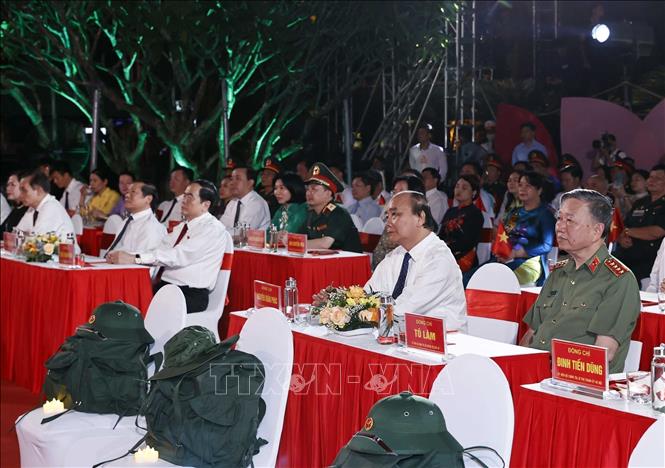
113, 224
267, 335
82, 439
373, 226
495, 277
475, 399
210, 317
77, 221
633, 357
357, 222
493, 329
650, 450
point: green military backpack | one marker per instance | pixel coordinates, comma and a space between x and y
102, 368
205, 406
405, 431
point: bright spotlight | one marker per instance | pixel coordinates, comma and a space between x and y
600, 32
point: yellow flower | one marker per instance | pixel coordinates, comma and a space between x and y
356, 292
350, 302
339, 317
49, 248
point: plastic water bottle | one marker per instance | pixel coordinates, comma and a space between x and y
658, 378
291, 300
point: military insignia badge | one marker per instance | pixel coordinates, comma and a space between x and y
92, 319
594, 264
369, 424
316, 170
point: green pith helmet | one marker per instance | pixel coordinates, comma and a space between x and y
118, 320
404, 424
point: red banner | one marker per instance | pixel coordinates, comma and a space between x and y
425, 333
9, 241
256, 238
580, 364
296, 243
267, 295
66, 254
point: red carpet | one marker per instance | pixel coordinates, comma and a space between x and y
14, 401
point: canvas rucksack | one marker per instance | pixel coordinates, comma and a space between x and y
102, 368
204, 407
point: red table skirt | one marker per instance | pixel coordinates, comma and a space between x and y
311, 274
333, 388
649, 329
41, 307
91, 241
555, 431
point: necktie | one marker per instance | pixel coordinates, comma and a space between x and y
401, 279
66, 200
237, 216
168, 213
160, 272
34, 218
119, 236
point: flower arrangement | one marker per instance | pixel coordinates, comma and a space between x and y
40, 248
345, 309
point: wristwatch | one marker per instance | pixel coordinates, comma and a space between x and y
137, 259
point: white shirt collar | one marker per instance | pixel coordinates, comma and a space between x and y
247, 197
43, 202
366, 200
431, 192
198, 220
180, 197
419, 251
72, 185
141, 214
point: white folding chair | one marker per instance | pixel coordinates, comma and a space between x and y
373, 226
357, 222
633, 357
650, 450
484, 248
77, 221
93, 434
493, 329
210, 317
470, 389
267, 335
495, 277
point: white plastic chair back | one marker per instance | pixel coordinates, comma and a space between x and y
166, 316
650, 450
210, 317
493, 329
373, 226
267, 335
478, 411
113, 224
77, 221
633, 357
484, 249
357, 222
495, 277
553, 254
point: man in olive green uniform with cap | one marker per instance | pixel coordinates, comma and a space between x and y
591, 298
328, 225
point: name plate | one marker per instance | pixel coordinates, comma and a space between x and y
267, 295
296, 244
579, 364
256, 238
9, 241
425, 333
66, 254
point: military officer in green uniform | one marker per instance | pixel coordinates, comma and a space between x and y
590, 298
328, 225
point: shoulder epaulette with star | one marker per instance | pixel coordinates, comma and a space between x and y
330, 207
560, 264
615, 266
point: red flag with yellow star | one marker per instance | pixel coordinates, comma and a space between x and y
616, 227
501, 246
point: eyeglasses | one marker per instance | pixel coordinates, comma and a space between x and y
569, 222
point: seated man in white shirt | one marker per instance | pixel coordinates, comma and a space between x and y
141, 232
191, 255
421, 273
61, 175
45, 214
169, 210
436, 199
247, 206
364, 206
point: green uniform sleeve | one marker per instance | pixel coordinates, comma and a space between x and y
617, 314
338, 226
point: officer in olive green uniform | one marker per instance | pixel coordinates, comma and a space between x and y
599, 298
332, 220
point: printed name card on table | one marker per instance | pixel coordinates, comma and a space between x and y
9, 241
425, 333
580, 365
66, 254
296, 244
267, 295
256, 238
